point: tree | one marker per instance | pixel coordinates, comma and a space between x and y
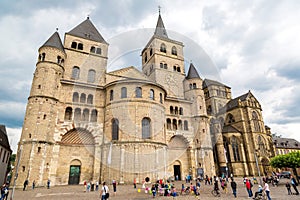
290, 160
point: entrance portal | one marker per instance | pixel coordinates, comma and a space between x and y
177, 172
74, 175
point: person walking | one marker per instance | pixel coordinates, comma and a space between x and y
267, 190
114, 183
48, 184
33, 184
248, 188
233, 187
104, 192
25, 184
294, 184
288, 187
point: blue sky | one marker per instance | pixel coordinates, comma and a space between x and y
247, 45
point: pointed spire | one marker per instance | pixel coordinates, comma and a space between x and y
54, 41
192, 72
87, 30
160, 30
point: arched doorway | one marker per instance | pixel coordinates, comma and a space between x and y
177, 170
74, 173
178, 156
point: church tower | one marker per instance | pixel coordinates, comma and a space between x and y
37, 139
163, 61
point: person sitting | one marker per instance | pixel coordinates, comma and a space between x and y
259, 191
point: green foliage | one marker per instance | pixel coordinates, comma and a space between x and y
290, 160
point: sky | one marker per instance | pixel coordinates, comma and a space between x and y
247, 45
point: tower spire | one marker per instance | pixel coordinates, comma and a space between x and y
160, 30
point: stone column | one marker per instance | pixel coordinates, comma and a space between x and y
122, 163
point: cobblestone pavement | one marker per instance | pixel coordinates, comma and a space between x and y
127, 192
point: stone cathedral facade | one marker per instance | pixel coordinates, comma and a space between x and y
83, 123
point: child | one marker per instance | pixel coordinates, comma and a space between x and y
288, 187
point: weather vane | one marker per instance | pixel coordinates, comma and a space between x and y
159, 9
56, 29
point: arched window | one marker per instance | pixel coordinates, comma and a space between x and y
151, 52
138, 92
255, 122
68, 114
145, 57
180, 124
80, 46
174, 124
93, 49
169, 124
180, 111
75, 97
77, 114
146, 126
58, 59
161, 65
160, 98
43, 57
91, 76
94, 116
123, 92
90, 99
230, 119
165, 66
82, 98
261, 144
176, 110
115, 129
98, 51
111, 95
191, 86
74, 45
75, 73
151, 94
171, 110
178, 69
209, 109
85, 115
235, 149
174, 68
186, 125
174, 51
194, 86
163, 48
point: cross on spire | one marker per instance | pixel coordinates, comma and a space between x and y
159, 9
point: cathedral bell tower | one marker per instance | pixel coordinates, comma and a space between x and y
37, 139
163, 61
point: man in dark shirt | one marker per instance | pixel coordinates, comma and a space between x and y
233, 186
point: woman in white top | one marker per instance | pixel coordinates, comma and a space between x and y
104, 191
267, 189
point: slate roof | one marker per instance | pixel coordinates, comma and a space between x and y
286, 143
192, 73
3, 138
87, 30
54, 41
160, 30
208, 82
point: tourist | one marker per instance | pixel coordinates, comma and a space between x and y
153, 190
259, 191
248, 187
294, 184
267, 190
288, 187
233, 187
25, 184
33, 184
114, 183
48, 184
104, 192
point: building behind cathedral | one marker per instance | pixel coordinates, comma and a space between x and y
84, 123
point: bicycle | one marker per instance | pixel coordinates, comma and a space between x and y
216, 192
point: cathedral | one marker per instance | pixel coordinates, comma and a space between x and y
84, 123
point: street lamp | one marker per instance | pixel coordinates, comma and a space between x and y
260, 181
